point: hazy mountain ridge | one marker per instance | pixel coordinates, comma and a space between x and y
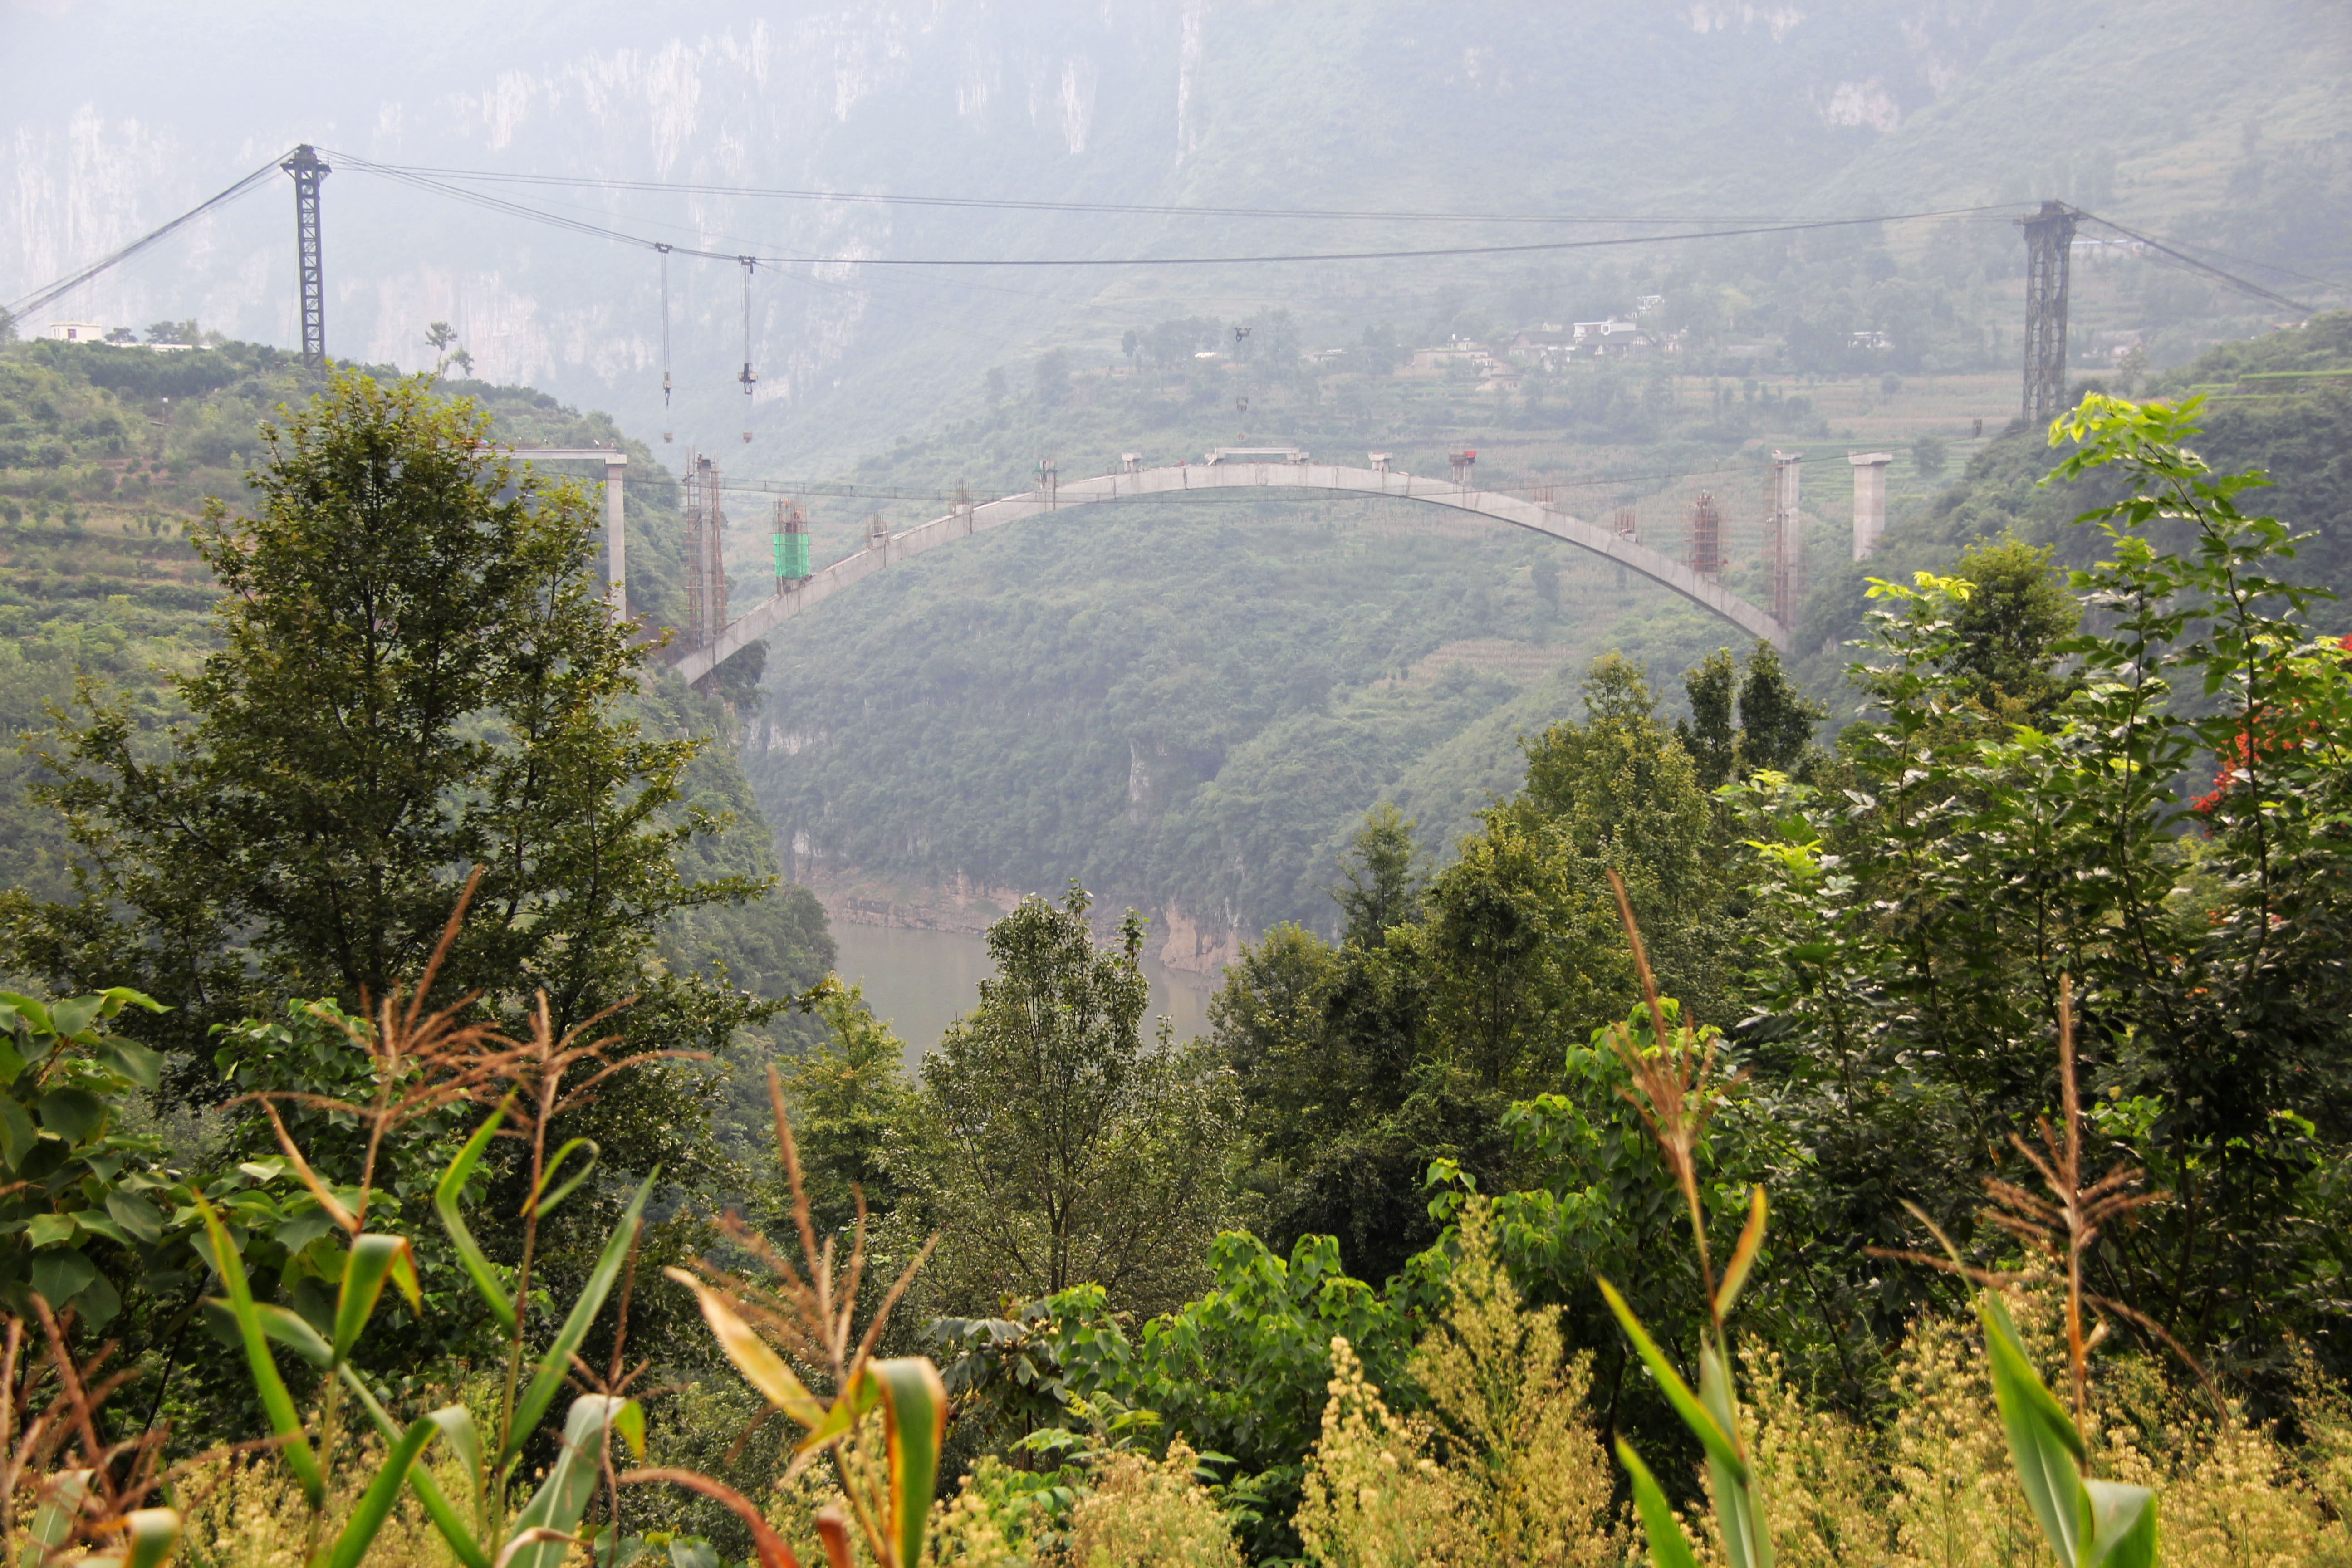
1775, 109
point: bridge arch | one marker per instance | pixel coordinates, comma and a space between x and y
1227, 476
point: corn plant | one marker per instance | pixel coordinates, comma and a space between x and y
101, 1501
810, 1315
2089, 1523
423, 1063
1674, 1088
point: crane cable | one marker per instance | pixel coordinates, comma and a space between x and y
664, 293
69, 283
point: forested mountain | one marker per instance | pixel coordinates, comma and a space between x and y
2218, 124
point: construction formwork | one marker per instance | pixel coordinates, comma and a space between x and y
1784, 537
1706, 535
792, 541
706, 554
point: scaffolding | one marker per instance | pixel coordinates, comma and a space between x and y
1784, 537
1705, 536
792, 541
706, 556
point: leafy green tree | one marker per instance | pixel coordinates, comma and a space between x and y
1914, 935
848, 1097
1380, 880
415, 675
1774, 725
1618, 793
1052, 374
1930, 457
1061, 1151
2011, 625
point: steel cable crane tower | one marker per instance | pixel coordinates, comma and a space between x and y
308, 169
2049, 242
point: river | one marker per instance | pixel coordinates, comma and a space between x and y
918, 981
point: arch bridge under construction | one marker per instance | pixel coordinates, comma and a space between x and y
1286, 473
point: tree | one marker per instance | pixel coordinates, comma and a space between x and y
1063, 1152
1917, 930
7, 327
1380, 883
442, 339
174, 332
1618, 793
2011, 626
1774, 719
1052, 372
416, 674
848, 1096
1930, 457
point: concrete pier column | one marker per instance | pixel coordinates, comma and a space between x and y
616, 547
1869, 498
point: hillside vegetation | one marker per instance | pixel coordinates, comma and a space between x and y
107, 454
1190, 706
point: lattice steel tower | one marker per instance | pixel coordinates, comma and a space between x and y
2048, 240
308, 169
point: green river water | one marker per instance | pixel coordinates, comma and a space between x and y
916, 981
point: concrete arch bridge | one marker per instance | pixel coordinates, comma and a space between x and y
1227, 469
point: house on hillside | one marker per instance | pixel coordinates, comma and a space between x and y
76, 332
1612, 339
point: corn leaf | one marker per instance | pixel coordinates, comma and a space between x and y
545, 1206
2043, 1443
372, 1259
2123, 1525
556, 1507
290, 1329
848, 1407
469, 1252
1743, 1257
285, 1423
526, 1545
915, 1423
760, 1364
359, 1533
556, 1363
1711, 1435
53, 1521
1669, 1548
149, 1535
1738, 1512
456, 1425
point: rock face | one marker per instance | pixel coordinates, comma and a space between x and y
1198, 948
820, 105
